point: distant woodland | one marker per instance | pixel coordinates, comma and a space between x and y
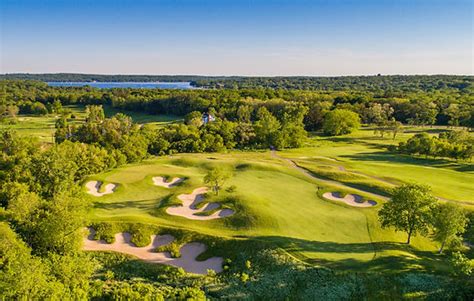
378, 83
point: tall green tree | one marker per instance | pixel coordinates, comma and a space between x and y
216, 177
266, 128
450, 222
340, 122
22, 276
410, 210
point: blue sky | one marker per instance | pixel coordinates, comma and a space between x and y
248, 37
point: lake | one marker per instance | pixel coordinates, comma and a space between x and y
107, 85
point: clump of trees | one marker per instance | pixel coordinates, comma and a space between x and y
414, 210
42, 212
126, 141
123, 139
452, 144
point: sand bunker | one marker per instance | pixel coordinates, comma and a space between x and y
160, 181
350, 199
187, 261
94, 186
189, 210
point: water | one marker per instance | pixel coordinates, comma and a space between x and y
107, 85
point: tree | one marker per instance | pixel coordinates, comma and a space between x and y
377, 114
266, 128
410, 210
21, 203
292, 133
56, 228
449, 222
461, 264
395, 127
194, 118
216, 177
340, 122
94, 114
244, 113
316, 112
22, 276
453, 113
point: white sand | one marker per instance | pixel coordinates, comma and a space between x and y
187, 261
160, 181
94, 186
189, 210
350, 199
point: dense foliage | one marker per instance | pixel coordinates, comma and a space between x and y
410, 210
340, 122
453, 144
443, 106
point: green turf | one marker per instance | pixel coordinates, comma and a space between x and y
274, 203
279, 204
366, 159
142, 118
42, 127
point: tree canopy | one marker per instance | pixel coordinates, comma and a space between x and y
409, 210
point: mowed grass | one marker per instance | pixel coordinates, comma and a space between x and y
159, 120
274, 203
43, 127
364, 157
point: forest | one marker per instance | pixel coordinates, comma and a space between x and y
377, 83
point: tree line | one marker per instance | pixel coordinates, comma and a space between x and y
376, 83
453, 144
453, 107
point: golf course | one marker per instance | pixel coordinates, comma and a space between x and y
276, 203
176, 197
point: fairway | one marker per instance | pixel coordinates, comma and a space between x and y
361, 158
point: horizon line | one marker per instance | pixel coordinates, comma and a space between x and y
235, 75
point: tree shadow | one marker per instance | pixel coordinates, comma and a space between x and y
139, 204
387, 156
427, 130
422, 260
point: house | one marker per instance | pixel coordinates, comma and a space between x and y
206, 118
